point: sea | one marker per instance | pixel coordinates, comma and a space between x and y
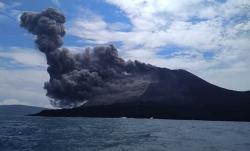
26, 133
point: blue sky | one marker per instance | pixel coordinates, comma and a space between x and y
209, 38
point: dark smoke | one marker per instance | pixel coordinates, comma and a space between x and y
96, 76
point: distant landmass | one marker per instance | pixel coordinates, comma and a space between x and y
16, 110
178, 94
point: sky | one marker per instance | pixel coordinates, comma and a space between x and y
210, 38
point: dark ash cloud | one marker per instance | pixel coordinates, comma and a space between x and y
96, 76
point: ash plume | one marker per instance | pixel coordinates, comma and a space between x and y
96, 76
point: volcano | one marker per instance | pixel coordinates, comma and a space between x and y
177, 94
99, 83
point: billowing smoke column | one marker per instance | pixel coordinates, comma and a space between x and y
96, 76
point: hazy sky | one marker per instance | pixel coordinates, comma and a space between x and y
210, 38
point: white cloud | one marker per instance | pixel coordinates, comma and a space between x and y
96, 30
23, 87
235, 78
15, 102
195, 26
56, 2
24, 56
10, 102
9, 10
1, 5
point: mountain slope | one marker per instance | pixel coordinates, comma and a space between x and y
182, 87
176, 94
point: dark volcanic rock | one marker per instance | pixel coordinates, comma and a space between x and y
176, 94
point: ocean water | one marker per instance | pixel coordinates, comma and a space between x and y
22, 133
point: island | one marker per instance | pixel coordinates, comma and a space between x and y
97, 82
